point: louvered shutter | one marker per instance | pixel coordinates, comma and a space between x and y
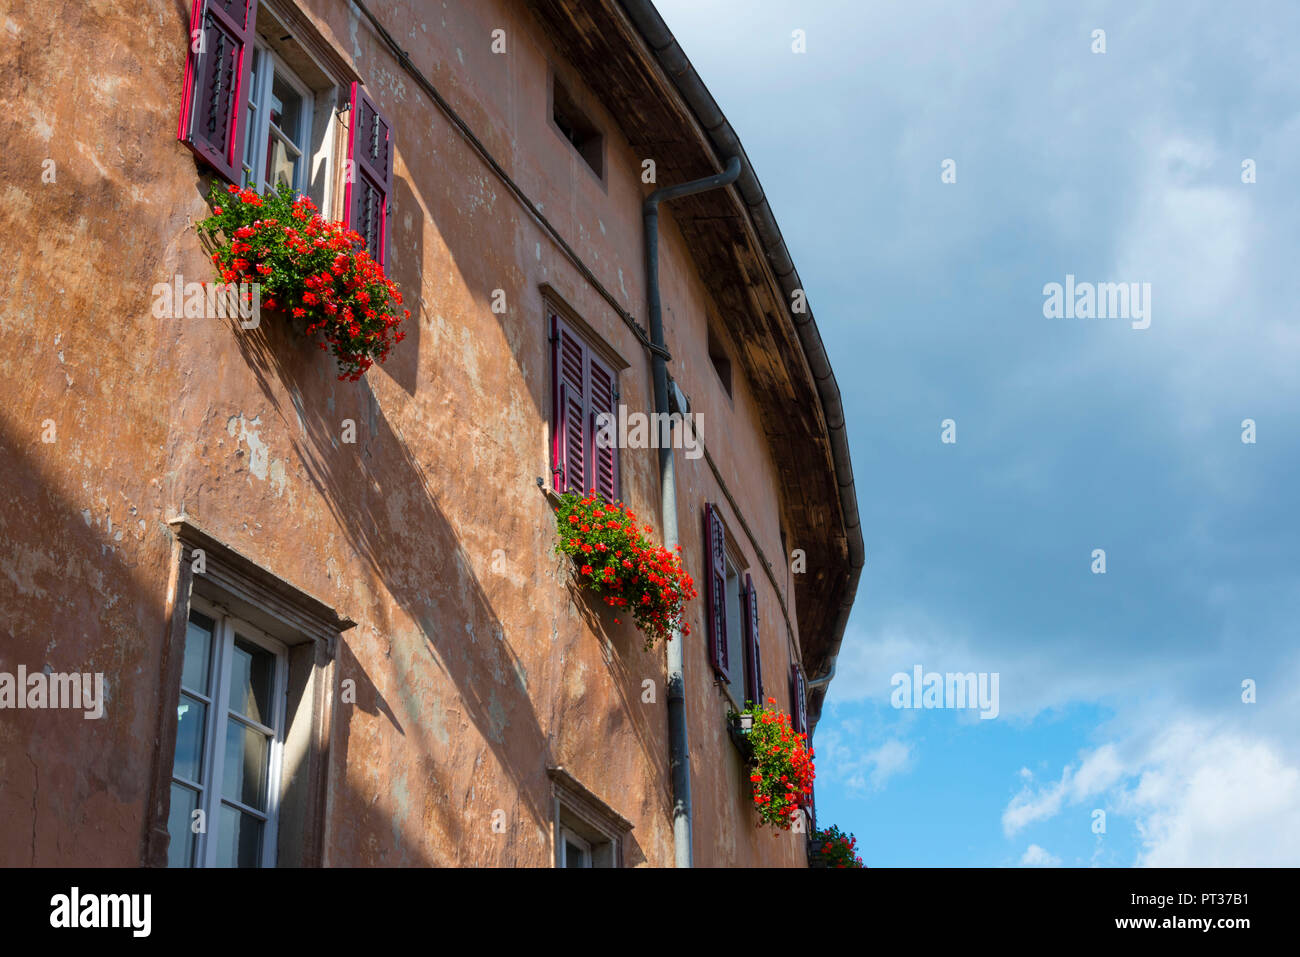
603, 400
716, 589
569, 436
753, 662
369, 174
217, 71
798, 700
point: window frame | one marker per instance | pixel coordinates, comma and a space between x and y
578, 117
594, 353
205, 568
258, 125
577, 812
569, 836
219, 716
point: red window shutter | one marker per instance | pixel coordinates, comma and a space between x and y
753, 661
217, 72
569, 436
369, 177
798, 700
716, 586
603, 395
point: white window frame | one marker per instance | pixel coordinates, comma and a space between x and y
258, 132
218, 717
568, 837
735, 598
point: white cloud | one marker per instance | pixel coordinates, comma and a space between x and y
1225, 801
840, 757
1199, 796
1035, 856
1097, 773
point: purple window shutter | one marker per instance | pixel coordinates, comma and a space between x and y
716, 589
603, 401
569, 436
217, 71
369, 179
753, 666
798, 702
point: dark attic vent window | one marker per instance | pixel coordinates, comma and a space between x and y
576, 127
721, 364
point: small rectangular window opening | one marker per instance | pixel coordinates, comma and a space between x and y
576, 127
721, 364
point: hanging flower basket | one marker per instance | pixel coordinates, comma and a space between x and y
738, 727
316, 271
781, 767
615, 559
831, 847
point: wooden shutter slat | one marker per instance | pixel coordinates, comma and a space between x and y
216, 82
568, 453
753, 666
715, 544
798, 700
369, 183
602, 402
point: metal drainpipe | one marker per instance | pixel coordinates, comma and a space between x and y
678, 743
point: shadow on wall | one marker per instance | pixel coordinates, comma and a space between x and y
485, 231
73, 791
385, 504
405, 265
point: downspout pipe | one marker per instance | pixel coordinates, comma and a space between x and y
679, 752
677, 67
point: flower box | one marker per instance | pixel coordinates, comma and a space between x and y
780, 764
738, 728
832, 848
317, 271
615, 558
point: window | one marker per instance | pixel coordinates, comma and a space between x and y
229, 742
260, 109
721, 363
585, 389
247, 679
734, 652
735, 642
280, 109
798, 700
588, 832
574, 125
575, 851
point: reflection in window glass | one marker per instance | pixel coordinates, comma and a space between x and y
251, 671
239, 839
245, 765
191, 725
198, 653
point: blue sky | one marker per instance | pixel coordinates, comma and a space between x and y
1119, 692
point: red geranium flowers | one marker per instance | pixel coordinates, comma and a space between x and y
316, 269
838, 849
781, 772
617, 561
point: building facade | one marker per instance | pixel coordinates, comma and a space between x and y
329, 615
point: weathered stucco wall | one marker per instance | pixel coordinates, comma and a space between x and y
477, 664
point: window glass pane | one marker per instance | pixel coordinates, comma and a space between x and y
198, 653
281, 165
244, 771
180, 850
191, 722
239, 839
286, 109
253, 72
252, 671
